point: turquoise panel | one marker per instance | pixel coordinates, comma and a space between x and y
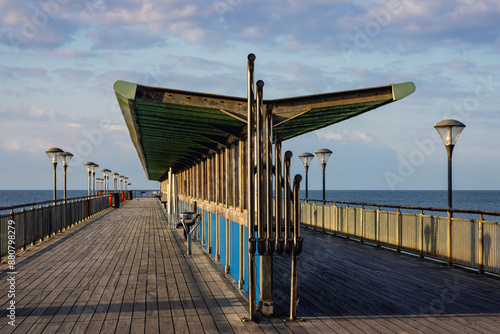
213, 232
257, 273
245, 252
222, 241
205, 224
234, 245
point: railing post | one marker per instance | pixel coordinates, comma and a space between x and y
398, 232
421, 241
347, 222
362, 236
335, 225
481, 247
377, 227
448, 241
323, 217
315, 216
25, 232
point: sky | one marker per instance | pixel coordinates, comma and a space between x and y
60, 58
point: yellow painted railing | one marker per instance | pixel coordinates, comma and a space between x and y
471, 242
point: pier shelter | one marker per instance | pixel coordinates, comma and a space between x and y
213, 156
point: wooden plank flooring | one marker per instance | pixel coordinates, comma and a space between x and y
346, 287
122, 271
125, 272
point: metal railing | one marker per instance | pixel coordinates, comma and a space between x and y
471, 242
33, 222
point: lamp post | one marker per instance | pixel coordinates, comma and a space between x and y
90, 168
105, 173
53, 154
115, 176
449, 130
323, 155
306, 159
121, 182
125, 179
65, 157
99, 184
94, 169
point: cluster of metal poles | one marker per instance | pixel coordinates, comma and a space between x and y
284, 234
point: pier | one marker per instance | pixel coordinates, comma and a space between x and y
124, 270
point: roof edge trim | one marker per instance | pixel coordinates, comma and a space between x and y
402, 90
125, 89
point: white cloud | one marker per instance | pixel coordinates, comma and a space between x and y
346, 135
74, 125
115, 127
36, 112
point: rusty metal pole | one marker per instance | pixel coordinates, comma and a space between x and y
269, 177
266, 277
297, 249
280, 241
251, 186
260, 170
287, 203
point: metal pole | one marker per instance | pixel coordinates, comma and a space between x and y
278, 188
449, 151
323, 166
88, 190
287, 200
251, 186
269, 175
266, 278
260, 177
65, 167
307, 184
54, 166
297, 247
93, 183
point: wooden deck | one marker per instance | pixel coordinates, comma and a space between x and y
123, 271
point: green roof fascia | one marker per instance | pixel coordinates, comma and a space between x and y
125, 95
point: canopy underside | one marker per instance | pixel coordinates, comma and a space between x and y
175, 129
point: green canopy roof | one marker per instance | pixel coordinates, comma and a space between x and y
175, 129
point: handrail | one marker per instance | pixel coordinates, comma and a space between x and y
408, 207
17, 206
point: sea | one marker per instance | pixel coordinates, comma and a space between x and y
17, 197
462, 199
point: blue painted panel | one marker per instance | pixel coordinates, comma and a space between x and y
213, 237
234, 244
245, 252
257, 273
222, 241
205, 224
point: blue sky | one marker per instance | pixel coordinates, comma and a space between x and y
61, 57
